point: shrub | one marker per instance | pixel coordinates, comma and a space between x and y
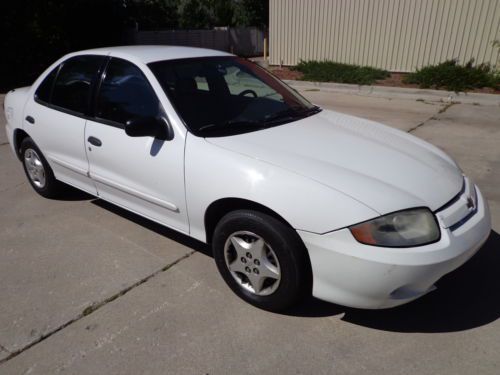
455, 77
330, 71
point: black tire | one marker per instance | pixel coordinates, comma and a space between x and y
51, 187
294, 264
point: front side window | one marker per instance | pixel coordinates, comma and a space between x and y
218, 96
73, 84
125, 94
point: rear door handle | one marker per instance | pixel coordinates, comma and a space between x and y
30, 119
94, 141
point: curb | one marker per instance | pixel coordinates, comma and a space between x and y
399, 92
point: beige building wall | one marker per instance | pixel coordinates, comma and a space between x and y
397, 35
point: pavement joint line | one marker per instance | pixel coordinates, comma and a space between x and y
4, 143
10, 188
94, 307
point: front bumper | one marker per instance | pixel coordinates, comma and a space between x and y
352, 274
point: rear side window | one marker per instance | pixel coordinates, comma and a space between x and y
44, 91
73, 84
126, 94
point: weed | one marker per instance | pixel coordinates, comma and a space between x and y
330, 71
455, 77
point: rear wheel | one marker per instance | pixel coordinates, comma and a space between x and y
38, 171
261, 259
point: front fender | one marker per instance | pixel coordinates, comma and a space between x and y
213, 173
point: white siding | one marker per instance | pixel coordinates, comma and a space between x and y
397, 35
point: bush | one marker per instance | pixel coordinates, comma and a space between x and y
329, 71
455, 77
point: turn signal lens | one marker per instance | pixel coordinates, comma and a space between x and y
408, 228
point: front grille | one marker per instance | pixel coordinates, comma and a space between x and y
454, 199
460, 208
464, 220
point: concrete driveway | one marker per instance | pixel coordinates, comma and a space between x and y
87, 288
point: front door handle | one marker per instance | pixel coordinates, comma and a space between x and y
30, 119
94, 141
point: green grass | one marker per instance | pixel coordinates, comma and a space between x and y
455, 77
329, 71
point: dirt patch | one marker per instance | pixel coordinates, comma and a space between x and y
395, 80
285, 73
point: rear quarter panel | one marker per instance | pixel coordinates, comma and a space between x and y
14, 104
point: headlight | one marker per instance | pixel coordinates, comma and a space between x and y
412, 227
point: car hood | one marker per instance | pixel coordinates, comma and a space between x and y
384, 168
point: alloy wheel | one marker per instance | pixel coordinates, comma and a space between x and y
252, 263
34, 166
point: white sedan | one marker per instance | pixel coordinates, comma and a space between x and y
293, 199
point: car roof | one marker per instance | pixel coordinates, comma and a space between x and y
152, 53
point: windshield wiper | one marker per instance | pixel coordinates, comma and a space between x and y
227, 124
309, 111
283, 114
290, 113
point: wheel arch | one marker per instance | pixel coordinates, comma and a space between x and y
19, 136
217, 209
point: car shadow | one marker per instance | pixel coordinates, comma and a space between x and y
156, 147
155, 227
467, 298
69, 193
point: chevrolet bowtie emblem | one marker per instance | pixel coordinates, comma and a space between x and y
470, 202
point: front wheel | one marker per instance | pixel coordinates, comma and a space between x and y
261, 259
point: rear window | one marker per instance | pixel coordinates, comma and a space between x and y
44, 91
73, 84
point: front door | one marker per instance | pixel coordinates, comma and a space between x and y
142, 174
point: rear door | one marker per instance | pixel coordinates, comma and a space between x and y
142, 174
55, 118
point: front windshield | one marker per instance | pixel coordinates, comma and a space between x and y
217, 96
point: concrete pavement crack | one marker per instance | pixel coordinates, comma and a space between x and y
421, 124
94, 307
433, 117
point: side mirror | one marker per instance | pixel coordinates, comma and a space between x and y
149, 127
